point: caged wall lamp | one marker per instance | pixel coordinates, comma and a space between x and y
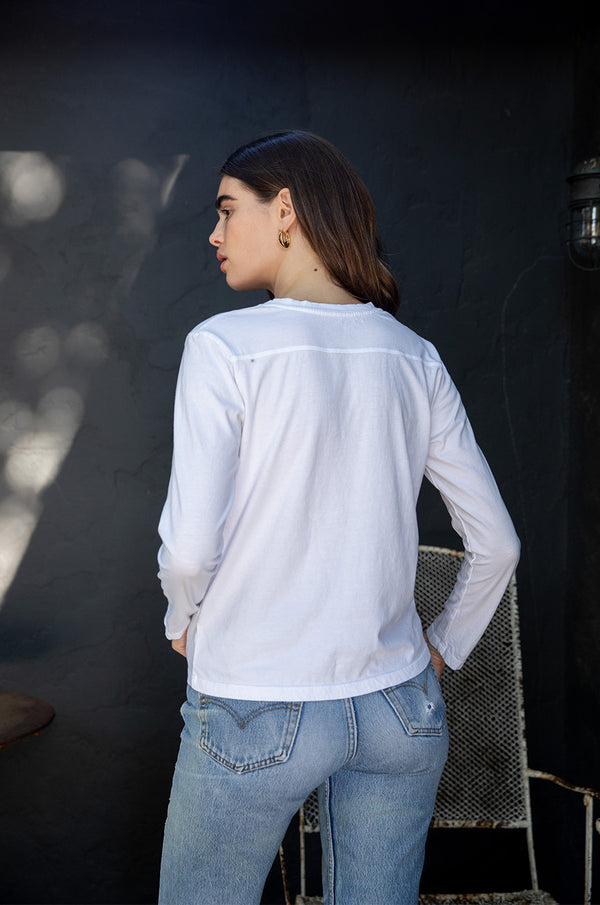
583, 221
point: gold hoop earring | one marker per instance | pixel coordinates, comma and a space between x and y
284, 238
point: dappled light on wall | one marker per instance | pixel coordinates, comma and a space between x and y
34, 460
35, 441
18, 519
32, 186
45, 268
140, 194
137, 190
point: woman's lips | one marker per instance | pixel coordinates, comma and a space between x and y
221, 259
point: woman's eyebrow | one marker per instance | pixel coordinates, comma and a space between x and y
223, 198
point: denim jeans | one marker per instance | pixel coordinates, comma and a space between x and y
245, 768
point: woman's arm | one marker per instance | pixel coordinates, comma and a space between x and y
179, 645
208, 421
436, 658
457, 467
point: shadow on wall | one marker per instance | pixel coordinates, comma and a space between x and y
49, 363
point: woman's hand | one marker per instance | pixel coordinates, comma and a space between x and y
436, 658
179, 644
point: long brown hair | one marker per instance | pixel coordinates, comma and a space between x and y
334, 208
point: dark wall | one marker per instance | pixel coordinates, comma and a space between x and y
113, 122
583, 623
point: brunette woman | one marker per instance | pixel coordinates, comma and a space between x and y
303, 429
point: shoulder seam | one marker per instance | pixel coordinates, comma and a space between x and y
202, 331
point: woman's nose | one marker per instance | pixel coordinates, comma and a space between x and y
215, 237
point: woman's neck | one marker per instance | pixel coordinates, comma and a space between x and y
305, 278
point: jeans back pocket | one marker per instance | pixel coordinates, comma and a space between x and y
247, 735
419, 704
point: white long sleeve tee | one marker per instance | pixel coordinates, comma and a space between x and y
302, 432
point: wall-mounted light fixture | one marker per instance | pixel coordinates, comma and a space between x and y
583, 222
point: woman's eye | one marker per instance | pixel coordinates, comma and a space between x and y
226, 212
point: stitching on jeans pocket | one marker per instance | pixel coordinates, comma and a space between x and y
247, 735
419, 704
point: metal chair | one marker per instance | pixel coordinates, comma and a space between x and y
486, 780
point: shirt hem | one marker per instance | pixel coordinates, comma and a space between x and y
309, 692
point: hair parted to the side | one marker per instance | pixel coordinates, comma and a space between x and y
333, 206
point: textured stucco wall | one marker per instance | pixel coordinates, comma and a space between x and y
111, 131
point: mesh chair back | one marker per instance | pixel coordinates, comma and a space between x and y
484, 783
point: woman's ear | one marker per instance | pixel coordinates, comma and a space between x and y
285, 209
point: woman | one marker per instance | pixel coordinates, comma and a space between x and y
303, 429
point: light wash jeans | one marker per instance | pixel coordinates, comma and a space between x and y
245, 768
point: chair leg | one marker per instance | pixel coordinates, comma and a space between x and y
302, 852
532, 864
588, 802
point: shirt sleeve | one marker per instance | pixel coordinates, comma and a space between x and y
457, 468
208, 419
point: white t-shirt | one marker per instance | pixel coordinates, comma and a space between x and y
302, 433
